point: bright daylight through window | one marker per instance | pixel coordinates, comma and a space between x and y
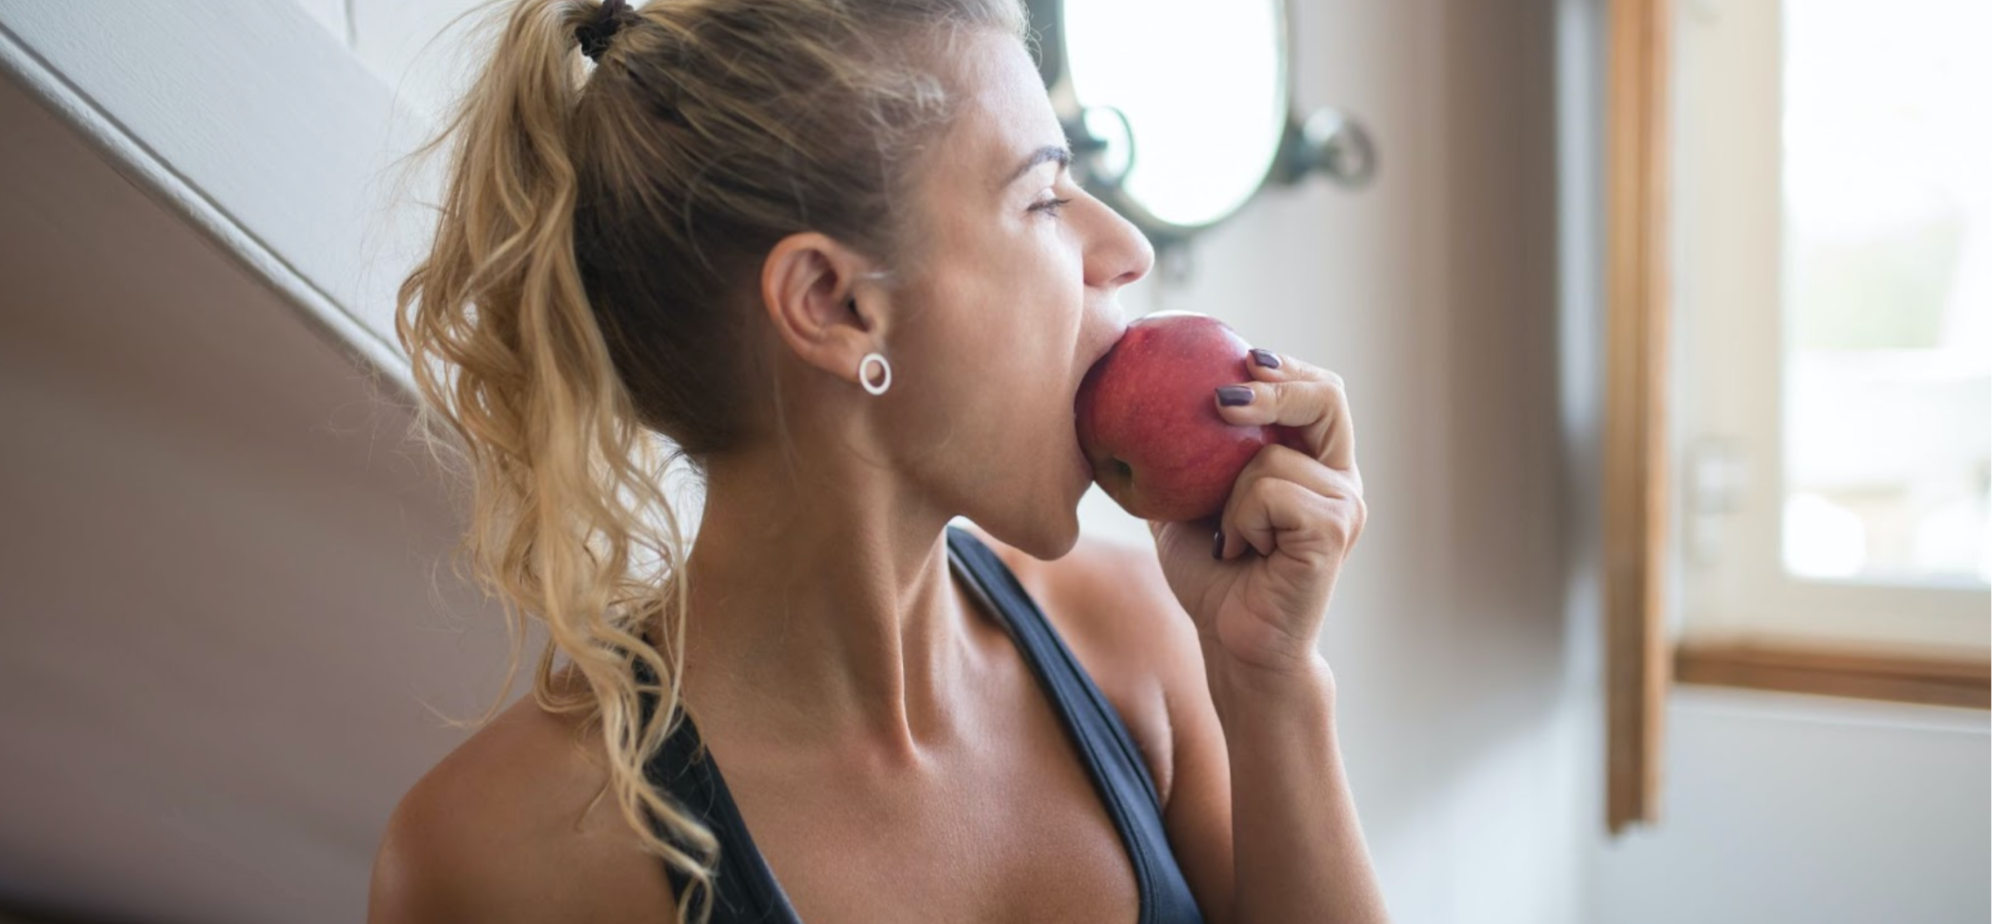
1887, 374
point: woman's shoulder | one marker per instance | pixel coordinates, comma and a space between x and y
1112, 606
507, 827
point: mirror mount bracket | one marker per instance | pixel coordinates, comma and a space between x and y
1330, 143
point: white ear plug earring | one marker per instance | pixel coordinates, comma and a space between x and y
864, 377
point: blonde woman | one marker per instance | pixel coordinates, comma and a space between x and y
830, 251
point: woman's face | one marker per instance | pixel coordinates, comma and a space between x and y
1016, 297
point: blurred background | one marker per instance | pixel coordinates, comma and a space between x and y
229, 639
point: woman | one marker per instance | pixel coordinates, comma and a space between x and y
831, 250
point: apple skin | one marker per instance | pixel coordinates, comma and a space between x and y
1148, 422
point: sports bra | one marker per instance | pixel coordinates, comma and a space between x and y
745, 889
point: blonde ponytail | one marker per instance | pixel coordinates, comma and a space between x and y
507, 352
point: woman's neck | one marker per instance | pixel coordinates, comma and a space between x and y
825, 606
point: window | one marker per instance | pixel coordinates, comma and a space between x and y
1799, 358
1833, 247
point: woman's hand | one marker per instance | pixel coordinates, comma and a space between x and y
1280, 542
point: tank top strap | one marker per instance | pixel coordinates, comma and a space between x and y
1087, 710
744, 888
1105, 744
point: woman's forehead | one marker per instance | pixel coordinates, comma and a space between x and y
1007, 115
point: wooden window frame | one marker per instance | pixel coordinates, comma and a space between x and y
1642, 660
1635, 476
1935, 677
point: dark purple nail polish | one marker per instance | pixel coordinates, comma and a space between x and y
1266, 358
1217, 545
1233, 395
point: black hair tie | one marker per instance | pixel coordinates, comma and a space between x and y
595, 34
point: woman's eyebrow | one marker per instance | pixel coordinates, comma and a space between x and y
1050, 152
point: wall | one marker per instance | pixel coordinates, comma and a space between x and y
1782, 807
223, 597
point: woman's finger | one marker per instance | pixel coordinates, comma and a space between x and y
1279, 475
1276, 515
1296, 394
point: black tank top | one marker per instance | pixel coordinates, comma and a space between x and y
745, 888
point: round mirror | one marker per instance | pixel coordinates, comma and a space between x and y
1177, 109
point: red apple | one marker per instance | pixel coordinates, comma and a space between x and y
1148, 421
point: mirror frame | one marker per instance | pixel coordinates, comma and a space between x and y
1047, 25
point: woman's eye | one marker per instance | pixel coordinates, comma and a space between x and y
1050, 206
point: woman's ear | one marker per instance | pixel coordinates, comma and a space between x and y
809, 289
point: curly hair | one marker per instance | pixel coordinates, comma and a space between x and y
580, 322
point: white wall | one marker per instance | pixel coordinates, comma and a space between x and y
1781, 807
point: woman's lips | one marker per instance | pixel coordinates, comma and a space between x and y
1085, 465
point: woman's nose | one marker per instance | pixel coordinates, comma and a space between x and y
1121, 254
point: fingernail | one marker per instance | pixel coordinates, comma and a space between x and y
1233, 395
1266, 358
1217, 545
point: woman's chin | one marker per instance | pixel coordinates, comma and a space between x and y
1044, 539
1057, 538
